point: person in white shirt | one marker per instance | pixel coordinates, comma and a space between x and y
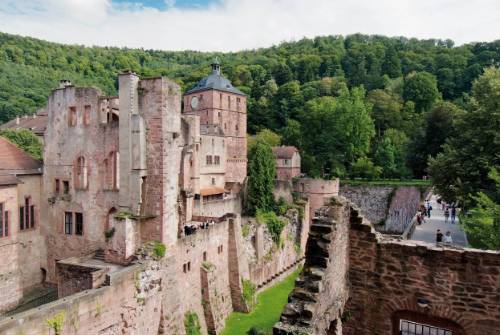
447, 238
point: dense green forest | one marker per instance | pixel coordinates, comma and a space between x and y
356, 106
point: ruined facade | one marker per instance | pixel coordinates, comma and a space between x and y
136, 221
141, 213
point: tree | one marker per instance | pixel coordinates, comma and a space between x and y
364, 168
440, 125
337, 131
261, 175
421, 88
265, 135
292, 135
482, 223
392, 64
25, 140
461, 169
386, 110
385, 157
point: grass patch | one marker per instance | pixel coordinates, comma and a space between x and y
270, 304
386, 182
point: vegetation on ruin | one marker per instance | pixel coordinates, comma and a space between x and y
208, 266
274, 224
56, 322
192, 324
159, 249
248, 293
109, 233
25, 140
261, 174
270, 304
245, 230
482, 222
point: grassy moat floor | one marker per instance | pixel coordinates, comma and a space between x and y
270, 303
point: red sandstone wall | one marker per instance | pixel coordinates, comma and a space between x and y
388, 276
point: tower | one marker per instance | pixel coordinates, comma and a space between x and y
222, 108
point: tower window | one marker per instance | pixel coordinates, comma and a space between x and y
86, 115
72, 116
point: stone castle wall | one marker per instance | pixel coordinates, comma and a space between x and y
390, 209
130, 305
385, 280
23, 251
388, 278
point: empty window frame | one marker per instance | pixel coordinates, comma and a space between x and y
86, 115
72, 116
68, 223
78, 223
4, 221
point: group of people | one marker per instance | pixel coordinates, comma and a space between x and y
446, 239
424, 211
450, 210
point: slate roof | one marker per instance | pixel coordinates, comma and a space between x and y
215, 81
15, 161
284, 152
35, 123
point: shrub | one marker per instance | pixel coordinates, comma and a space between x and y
245, 230
159, 249
192, 324
249, 290
56, 322
274, 224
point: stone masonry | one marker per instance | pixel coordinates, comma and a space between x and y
383, 281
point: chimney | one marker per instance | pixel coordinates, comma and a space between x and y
64, 82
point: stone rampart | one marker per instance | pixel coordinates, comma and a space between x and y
456, 289
386, 281
391, 209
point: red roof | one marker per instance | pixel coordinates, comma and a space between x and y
284, 151
15, 161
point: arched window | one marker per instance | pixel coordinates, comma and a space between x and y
81, 177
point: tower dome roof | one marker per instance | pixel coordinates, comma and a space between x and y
215, 81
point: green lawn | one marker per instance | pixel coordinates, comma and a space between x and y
386, 182
269, 306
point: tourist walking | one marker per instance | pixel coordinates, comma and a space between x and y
446, 214
439, 236
447, 238
429, 209
453, 214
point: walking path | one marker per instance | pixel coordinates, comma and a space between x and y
427, 231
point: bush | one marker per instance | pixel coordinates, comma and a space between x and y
364, 168
192, 324
159, 249
249, 290
274, 224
